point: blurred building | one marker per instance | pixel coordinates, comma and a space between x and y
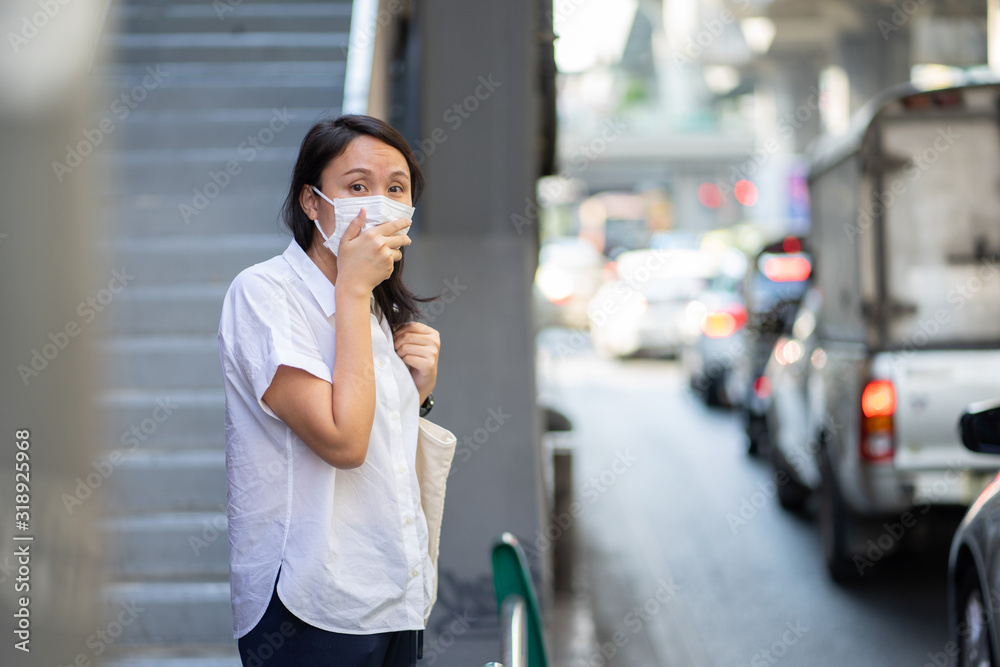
714, 102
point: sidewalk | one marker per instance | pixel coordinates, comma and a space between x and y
571, 630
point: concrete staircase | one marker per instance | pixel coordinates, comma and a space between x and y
226, 88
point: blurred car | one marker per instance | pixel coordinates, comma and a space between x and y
909, 321
717, 320
776, 280
974, 561
644, 309
716, 336
790, 416
570, 271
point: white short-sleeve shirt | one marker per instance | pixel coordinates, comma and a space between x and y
351, 544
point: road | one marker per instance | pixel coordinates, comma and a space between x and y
686, 556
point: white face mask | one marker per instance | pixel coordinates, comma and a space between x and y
378, 210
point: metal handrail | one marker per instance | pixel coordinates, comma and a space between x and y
514, 633
514, 640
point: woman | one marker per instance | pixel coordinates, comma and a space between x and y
325, 370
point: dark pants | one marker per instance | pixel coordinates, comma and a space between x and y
280, 639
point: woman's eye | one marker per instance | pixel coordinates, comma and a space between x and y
357, 187
396, 188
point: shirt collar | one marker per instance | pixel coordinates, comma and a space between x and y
319, 285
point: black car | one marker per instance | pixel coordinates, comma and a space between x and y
974, 562
777, 278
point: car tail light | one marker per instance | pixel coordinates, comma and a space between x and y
787, 269
610, 270
878, 405
724, 322
762, 387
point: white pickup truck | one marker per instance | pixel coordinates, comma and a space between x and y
906, 234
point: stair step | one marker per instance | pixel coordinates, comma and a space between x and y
129, 74
194, 417
139, 216
227, 46
182, 612
180, 96
263, 17
254, 170
170, 309
169, 362
172, 656
207, 260
180, 480
156, 546
238, 5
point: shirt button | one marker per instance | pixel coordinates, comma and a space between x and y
394, 416
402, 468
414, 573
382, 362
409, 521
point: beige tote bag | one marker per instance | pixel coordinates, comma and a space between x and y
435, 450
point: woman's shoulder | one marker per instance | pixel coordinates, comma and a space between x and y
264, 286
274, 273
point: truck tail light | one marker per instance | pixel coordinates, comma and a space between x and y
878, 405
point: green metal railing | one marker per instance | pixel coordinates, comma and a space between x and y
522, 641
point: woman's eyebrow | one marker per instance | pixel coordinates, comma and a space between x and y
368, 172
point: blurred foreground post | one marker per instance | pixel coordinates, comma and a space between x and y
49, 548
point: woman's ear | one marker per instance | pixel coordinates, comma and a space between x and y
308, 202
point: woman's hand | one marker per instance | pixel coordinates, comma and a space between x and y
366, 258
418, 346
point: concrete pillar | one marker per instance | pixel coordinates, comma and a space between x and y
479, 112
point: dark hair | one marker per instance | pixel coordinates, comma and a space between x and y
324, 142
